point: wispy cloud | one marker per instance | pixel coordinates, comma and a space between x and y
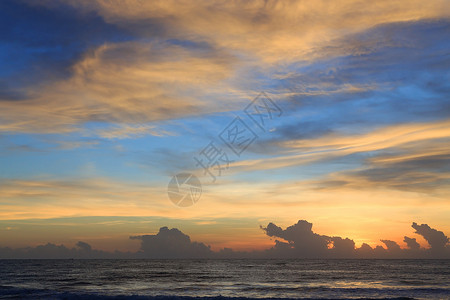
138, 85
52, 197
122, 83
131, 131
271, 30
432, 138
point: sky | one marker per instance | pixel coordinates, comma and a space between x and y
336, 114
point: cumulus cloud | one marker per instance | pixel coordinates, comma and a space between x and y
171, 243
411, 243
301, 242
296, 241
82, 250
84, 246
391, 245
300, 237
435, 238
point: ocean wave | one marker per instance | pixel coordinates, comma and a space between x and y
8, 292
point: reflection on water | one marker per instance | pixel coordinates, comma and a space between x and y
229, 278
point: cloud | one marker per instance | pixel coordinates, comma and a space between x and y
81, 197
391, 246
298, 241
82, 250
414, 160
387, 137
411, 243
300, 238
356, 93
125, 131
124, 83
271, 30
84, 246
378, 79
349, 70
437, 239
35, 47
171, 243
340, 247
302, 242
427, 143
161, 60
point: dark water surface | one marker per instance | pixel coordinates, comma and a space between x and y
140, 279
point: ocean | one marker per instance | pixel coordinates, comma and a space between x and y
224, 279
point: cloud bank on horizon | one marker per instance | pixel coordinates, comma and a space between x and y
299, 241
102, 102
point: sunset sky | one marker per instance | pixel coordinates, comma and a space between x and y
102, 102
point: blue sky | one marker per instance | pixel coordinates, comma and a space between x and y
102, 103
